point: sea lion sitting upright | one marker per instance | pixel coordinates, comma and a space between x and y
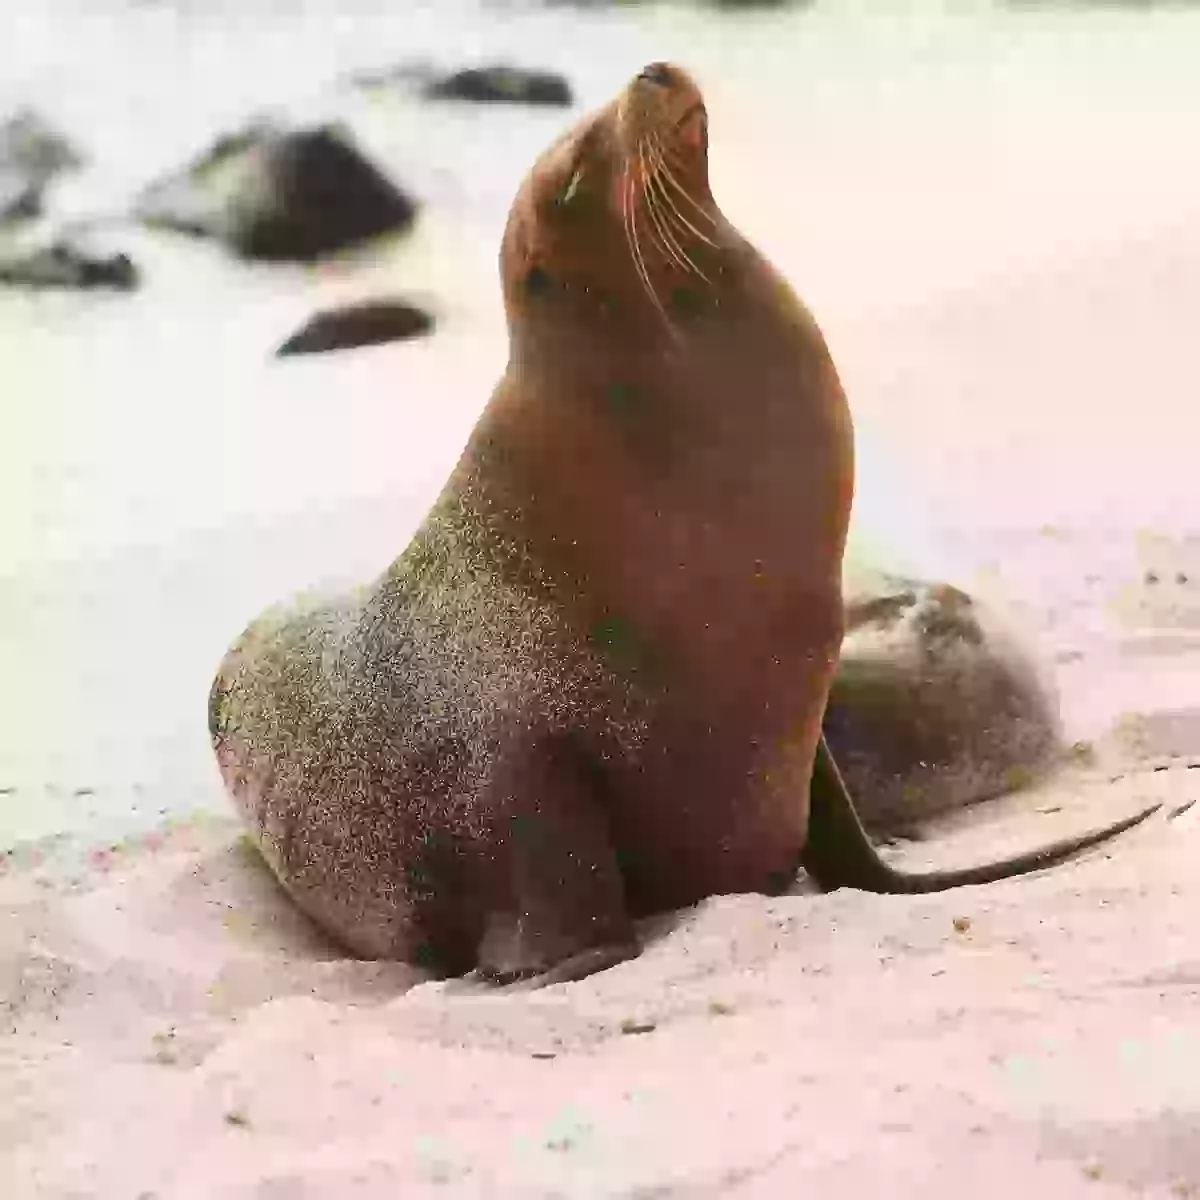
591, 688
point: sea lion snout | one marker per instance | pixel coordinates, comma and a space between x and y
658, 73
661, 93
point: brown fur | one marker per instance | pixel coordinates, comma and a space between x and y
592, 686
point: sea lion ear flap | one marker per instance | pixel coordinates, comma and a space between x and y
567, 194
580, 169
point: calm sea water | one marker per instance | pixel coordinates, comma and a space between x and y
985, 207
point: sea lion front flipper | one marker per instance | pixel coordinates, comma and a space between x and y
563, 915
838, 852
578, 966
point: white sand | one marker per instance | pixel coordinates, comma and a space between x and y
178, 1033
174, 1029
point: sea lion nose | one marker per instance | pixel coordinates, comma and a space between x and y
656, 72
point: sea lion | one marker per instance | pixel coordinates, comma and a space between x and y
591, 688
938, 703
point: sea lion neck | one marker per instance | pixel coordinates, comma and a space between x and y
680, 508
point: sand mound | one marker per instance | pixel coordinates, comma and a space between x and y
175, 1030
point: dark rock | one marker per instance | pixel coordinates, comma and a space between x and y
65, 263
281, 195
936, 704
32, 154
502, 85
369, 323
18, 201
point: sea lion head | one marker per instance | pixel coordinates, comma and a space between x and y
653, 340
616, 220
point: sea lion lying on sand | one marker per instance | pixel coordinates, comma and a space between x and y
937, 703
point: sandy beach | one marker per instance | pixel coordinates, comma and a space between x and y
174, 1030
997, 223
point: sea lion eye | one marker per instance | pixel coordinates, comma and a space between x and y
536, 280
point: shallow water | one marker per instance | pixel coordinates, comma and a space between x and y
994, 214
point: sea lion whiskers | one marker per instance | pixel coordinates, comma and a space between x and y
656, 231
629, 216
665, 211
662, 221
674, 207
659, 156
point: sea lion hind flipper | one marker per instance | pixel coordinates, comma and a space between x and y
564, 914
838, 852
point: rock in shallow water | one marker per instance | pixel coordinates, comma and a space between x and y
67, 263
369, 323
281, 195
935, 705
502, 85
32, 154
